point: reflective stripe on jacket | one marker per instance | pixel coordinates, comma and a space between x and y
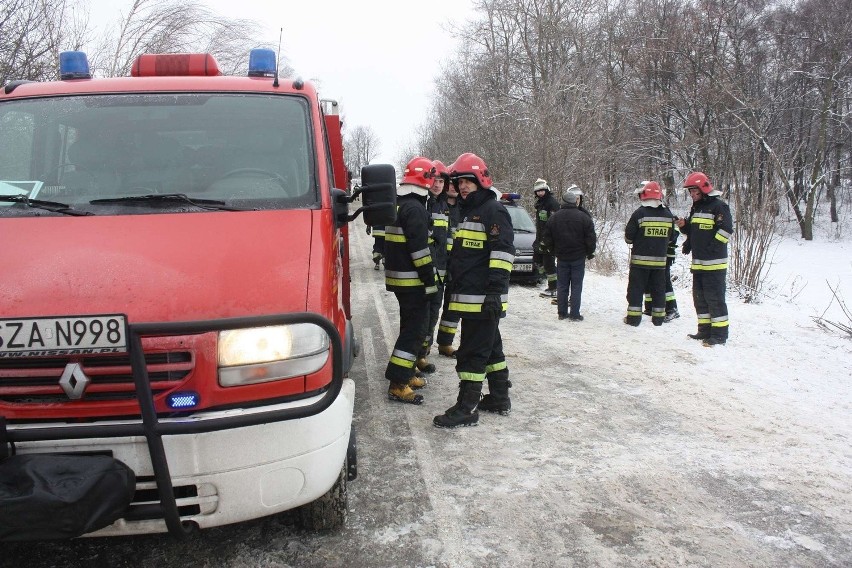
482, 256
408, 261
708, 230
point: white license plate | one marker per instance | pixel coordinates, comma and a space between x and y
523, 267
63, 335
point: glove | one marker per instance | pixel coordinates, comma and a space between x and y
369, 230
590, 256
492, 306
686, 248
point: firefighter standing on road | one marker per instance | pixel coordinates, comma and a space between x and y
672, 312
410, 275
545, 206
649, 232
707, 230
378, 232
439, 213
479, 268
449, 322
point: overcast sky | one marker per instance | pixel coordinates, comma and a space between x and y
377, 58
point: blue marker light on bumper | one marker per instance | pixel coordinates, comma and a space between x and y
185, 399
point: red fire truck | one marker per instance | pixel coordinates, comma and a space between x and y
175, 330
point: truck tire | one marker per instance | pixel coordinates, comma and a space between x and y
329, 511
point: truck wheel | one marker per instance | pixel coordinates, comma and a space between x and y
329, 511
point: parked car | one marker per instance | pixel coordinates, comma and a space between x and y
524, 270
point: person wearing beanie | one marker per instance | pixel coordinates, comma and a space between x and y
410, 275
545, 206
570, 236
649, 232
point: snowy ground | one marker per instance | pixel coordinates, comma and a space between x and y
639, 446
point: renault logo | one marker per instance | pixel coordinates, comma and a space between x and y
74, 381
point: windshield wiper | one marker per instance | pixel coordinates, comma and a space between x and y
54, 206
211, 204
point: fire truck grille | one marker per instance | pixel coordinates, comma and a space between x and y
36, 381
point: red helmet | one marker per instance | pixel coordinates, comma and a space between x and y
440, 168
699, 180
649, 190
420, 172
472, 167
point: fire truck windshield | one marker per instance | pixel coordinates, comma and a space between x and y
248, 151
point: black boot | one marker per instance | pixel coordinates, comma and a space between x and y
464, 412
703, 333
497, 399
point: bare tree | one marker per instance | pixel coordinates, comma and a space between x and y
174, 26
32, 32
361, 146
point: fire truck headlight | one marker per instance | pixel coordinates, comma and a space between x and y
264, 354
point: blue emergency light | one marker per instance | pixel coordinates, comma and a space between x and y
73, 65
262, 63
511, 196
184, 399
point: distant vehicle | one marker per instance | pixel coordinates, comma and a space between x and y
524, 269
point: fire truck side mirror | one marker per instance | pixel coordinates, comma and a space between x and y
378, 194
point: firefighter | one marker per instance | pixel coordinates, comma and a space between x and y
479, 269
439, 213
449, 322
410, 275
545, 206
378, 232
672, 312
708, 230
649, 232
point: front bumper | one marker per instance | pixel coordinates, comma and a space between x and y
216, 467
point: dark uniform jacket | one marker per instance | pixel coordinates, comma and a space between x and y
570, 234
707, 230
408, 262
439, 213
649, 230
482, 255
545, 206
454, 223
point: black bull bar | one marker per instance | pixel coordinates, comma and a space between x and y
154, 430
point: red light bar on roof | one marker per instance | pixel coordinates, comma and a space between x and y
175, 65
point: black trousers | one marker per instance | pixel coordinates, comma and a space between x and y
480, 353
413, 317
433, 306
708, 295
449, 322
378, 248
671, 299
654, 281
546, 264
